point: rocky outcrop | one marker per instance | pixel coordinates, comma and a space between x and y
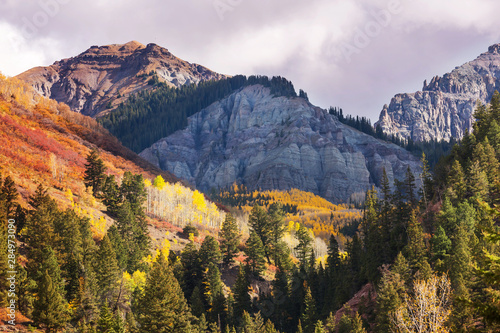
268, 142
444, 107
101, 77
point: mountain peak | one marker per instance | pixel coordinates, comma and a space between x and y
101, 77
444, 108
114, 49
495, 49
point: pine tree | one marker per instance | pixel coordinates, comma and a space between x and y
196, 301
94, 172
162, 307
426, 178
389, 298
258, 221
10, 195
415, 250
309, 316
255, 253
440, 248
278, 227
111, 195
106, 320
50, 307
304, 247
209, 253
242, 301
192, 268
229, 239
106, 268
214, 296
477, 182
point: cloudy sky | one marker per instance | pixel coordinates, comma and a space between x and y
355, 54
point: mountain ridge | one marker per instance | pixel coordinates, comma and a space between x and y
444, 108
267, 142
98, 79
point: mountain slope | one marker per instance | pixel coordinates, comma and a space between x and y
101, 77
42, 141
444, 107
267, 142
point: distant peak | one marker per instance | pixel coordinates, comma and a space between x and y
495, 49
126, 48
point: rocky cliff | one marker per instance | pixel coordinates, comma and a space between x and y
102, 77
444, 107
271, 142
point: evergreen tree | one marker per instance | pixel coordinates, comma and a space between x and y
427, 184
309, 316
133, 190
242, 301
255, 253
278, 227
440, 248
112, 197
389, 299
106, 268
94, 172
209, 253
304, 247
196, 301
106, 321
9, 193
477, 185
50, 307
415, 250
192, 268
214, 296
162, 307
229, 239
259, 223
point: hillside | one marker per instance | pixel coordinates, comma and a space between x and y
444, 108
98, 79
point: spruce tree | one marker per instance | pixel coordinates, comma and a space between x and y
192, 273
242, 301
94, 172
229, 239
258, 221
209, 253
309, 315
278, 227
106, 321
50, 307
304, 247
255, 254
106, 268
213, 292
415, 250
440, 248
112, 197
162, 307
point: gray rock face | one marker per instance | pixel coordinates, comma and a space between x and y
444, 107
102, 77
265, 142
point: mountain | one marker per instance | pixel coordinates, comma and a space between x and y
444, 107
266, 142
101, 77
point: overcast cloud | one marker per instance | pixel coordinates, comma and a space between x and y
352, 54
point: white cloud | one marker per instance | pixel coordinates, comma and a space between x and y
293, 38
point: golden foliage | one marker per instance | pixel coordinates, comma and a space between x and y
180, 206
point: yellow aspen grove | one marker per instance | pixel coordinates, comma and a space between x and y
180, 205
